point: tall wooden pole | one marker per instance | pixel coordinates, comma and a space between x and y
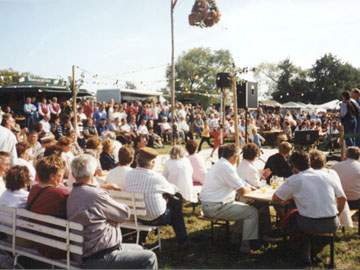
235, 105
172, 7
74, 94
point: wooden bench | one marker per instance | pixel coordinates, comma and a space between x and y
136, 203
22, 228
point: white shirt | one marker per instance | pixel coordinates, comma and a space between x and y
8, 142
153, 185
221, 183
125, 128
314, 192
27, 164
142, 129
17, 198
179, 172
117, 146
182, 125
2, 185
349, 173
248, 172
46, 127
117, 176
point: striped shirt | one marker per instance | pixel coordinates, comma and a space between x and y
153, 185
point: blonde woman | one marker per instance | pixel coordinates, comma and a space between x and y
178, 171
106, 157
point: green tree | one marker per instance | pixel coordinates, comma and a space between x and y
331, 77
196, 71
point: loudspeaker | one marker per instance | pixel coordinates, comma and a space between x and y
223, 80
247, 95
306, 137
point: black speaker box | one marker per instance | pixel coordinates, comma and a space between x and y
247, 95
223, 80
306, 137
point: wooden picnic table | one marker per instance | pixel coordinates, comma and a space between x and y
263, 194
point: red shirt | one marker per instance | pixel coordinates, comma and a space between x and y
51, 201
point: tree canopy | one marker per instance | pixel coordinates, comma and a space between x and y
325, 81
196, 70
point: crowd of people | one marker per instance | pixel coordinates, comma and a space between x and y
50, 166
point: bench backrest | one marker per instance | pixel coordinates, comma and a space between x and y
41, 229
135, 201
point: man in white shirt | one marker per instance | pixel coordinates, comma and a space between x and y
184, 129
142, 129
218, 196
5, 165
349, 173
117, 175
8, 142
318, 198
159, 211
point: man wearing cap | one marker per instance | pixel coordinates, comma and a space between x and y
159, 211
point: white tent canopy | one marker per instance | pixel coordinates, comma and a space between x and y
331, 105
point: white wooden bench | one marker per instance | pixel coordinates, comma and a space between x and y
136, 203
20, 224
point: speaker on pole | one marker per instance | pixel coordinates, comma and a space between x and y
247, 95
223, 80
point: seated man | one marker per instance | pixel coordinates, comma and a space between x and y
218, 196
278, 163
349, 173
159, 211
318, 198
100, 215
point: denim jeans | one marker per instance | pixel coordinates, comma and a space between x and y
129, 256
350, 129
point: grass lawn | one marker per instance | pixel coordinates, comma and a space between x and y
202, 254
167, 147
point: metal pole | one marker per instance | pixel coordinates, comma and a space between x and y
235, 106
74, 94
246, 124
172, 3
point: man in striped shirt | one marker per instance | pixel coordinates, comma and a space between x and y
159, 211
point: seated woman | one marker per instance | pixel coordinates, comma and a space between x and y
247, 170
106, 157
17, 180
197, 163
178, 171
49, 196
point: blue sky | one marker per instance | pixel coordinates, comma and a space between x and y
122, 39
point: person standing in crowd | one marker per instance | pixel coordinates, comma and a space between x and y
159, 211
318, 198
101, 215
205, 136
349, 113
278, 163
5, 165
44, 109
54, 107
30, 113
349, 173
355, 94
17, 180
100, 113
217, 196
178, 171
